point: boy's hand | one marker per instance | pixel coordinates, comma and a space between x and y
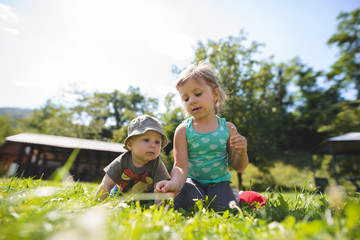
104, 188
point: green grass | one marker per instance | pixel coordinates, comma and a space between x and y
39, 209
284, 177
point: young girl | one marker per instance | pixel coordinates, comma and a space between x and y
204, 144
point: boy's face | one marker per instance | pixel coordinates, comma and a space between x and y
145, 147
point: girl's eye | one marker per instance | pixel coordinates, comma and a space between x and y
198, 94
146, 140
157, 142
186, 99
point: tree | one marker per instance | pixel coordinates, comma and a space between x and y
346, 119
257, 97
92, 116
346, 69
132, 104
6, 128
112, 111
277, 107
312, 105
51, 119
172, 117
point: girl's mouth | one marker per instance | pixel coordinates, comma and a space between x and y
196, 109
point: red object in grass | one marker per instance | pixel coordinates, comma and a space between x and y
253, 199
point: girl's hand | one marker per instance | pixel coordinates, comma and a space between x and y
237, 142
165, 186
238, 157
237, 145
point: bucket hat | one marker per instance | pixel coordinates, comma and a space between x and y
142, 124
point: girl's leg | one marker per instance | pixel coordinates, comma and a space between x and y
191, 191
221, 194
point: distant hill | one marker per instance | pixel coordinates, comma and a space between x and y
16, 113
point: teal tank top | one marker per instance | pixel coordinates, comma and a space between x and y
207, 153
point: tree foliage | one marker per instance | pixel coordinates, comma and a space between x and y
6, 128
258, 95
51, 119
113, 110
93, 116
172, 117
346, 69
278, 107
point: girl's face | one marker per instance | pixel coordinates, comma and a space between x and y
145, 147
198, 98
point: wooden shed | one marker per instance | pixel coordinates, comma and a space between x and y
347, 144
39, 155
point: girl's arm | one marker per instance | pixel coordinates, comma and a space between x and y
180, 169
237, 149
104, 188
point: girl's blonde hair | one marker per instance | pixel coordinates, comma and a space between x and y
203, 71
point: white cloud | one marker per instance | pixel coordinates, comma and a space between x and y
12, 31
7, 14
25, 84
176, 45
8, 20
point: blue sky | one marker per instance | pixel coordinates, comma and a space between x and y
49, 47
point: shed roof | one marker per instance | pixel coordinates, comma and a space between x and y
352, 136
348, 143
66, 142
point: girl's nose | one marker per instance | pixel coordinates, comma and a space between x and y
192, 99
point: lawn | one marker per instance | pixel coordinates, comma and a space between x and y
39, 209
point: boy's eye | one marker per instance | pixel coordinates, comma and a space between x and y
157, 142
186, 99
146, 140
198, 94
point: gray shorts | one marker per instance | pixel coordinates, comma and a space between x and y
219, 194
